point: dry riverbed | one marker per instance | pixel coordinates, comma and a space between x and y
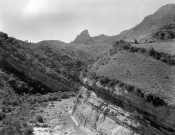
58, 121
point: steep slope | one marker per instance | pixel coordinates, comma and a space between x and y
44, 70
163, 16
111, 107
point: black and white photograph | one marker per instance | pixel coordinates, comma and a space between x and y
87, 67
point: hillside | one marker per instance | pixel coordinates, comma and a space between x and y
47, 68
142, 71
85, 51
167, 46
163, 16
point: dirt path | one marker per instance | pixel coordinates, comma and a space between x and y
57, 117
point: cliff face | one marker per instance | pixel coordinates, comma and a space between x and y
100, 117
120, 113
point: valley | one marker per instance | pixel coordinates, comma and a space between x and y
95, 85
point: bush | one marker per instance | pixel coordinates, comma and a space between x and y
53, 97
155, 100
135, 41
39, 118
65, 96
104, 80
28, 130
129, 87
14, 102
2, 115
113, 82
12, 126
152, 52
6, 109
121, 84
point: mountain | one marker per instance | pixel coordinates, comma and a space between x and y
145, 31
151, 23
137, 75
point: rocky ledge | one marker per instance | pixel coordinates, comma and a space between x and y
122, 113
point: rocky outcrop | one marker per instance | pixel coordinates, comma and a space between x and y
124, 112
97, 115
84, 38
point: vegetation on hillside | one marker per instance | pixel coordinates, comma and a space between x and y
165, 33
32, 66
163, 57
112, 83
18, 105
22, 88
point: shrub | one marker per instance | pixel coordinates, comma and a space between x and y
12, 126
135, 41
151, 52
113, 82
2, 115
88, 93
149, 98
104, 80
129, 87
142, 50
156, 101
106, 111
28, 130
14, 102
6, 109
39, 118
126, 47
65, 96
53, 97
139, 92
121, 84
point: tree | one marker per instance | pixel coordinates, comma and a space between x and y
152, 52
135, 41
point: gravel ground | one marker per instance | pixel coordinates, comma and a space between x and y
58, 120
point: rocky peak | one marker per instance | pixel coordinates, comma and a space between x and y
83, 37
85, 33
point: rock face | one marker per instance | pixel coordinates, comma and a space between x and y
122, 112
84, 35
99, 116
84, 38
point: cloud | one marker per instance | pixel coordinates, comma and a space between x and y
36, 7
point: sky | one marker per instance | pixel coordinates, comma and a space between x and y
37, 20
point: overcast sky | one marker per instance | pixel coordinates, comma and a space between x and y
38, 20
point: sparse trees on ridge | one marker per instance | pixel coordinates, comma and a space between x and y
163, 57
